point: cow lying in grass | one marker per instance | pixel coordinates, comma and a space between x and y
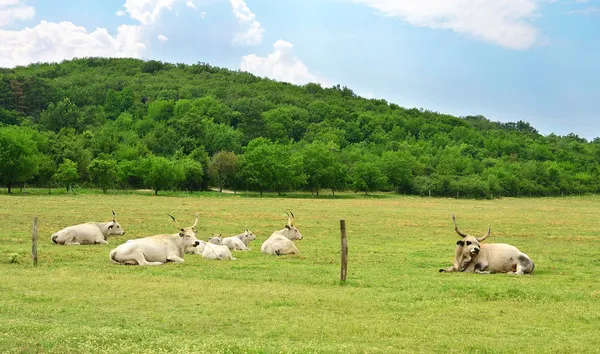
88, 233
473, 256
280, 242
213, 249
156, 250
240, 242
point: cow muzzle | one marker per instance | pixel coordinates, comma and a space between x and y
475, 251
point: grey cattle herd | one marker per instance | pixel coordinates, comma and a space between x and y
471, 254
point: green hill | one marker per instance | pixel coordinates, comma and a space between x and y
148, 124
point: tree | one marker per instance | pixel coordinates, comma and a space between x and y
66, 175
367, 177
397, 167
222, 167
104, 173
270, 165
193, 174
161, 173
321, 165
19, 156
63, 114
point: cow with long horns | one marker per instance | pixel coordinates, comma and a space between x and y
473, 256
88, 233
156, 250
281, 242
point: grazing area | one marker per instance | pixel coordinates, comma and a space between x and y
395, 300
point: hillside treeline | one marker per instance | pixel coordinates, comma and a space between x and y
127, 123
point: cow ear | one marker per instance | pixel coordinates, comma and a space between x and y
460, 243
181, 234
287, 227
110, 226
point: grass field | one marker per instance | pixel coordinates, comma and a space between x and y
395, 300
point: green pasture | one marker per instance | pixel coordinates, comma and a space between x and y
395, 300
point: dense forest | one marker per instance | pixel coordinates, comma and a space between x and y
128, 123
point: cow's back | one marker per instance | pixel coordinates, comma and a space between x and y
83, 233
501, 257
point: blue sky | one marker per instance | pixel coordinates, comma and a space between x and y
509, 60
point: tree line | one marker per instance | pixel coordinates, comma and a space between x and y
129, 123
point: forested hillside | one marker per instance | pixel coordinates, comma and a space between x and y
127, 123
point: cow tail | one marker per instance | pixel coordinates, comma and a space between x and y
53, 238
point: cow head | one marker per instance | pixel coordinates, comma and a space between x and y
216, 239
248, 235
188, 234
290, 231
467, 248
114, 228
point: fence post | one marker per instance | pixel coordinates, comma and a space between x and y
344, 251
34, 236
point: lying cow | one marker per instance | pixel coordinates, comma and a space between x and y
472, 256
156, 250
239, 242
210, 250
88, 233
280, 242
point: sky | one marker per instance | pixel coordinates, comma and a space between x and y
532, 60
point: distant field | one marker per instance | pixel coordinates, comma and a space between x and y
395, 300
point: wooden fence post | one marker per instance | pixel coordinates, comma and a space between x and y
34, 236
344, 251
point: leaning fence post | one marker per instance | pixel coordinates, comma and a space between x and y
34, 236
344, 251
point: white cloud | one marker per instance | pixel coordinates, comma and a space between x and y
504, 22
53, 42
146, 11
250, 32
280, 65
190, 4
13, 10
163, 38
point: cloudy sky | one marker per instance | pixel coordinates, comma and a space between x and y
509, 60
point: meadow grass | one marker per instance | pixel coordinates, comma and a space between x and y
395, 300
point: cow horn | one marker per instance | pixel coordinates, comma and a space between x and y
175, 221
484, 236
114, 215
289, 219
195, 222
293, 218
456, 227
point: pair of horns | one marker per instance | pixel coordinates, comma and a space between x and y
290, 218
480, 239
176, 224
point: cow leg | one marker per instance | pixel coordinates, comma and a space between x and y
450, 269
101, 242
479, 269
70, 239
139, 257
175, 259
